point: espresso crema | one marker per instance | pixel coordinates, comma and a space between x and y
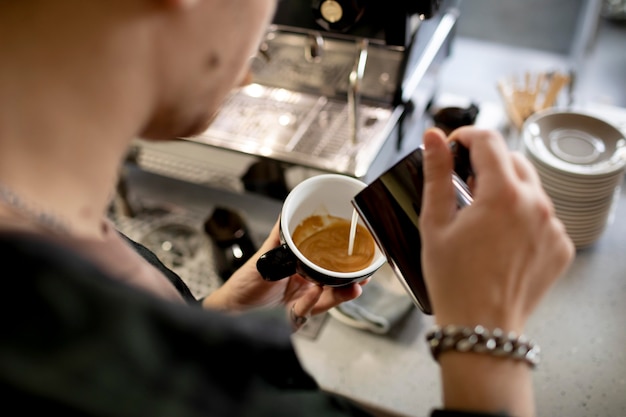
325, 239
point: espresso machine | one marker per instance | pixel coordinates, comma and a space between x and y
338, 86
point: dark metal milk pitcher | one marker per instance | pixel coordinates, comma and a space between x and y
390, 208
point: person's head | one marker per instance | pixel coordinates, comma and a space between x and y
206, 49
165, 65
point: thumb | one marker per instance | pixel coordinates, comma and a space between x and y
438, 201
273, 238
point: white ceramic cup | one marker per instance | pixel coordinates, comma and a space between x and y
328, 193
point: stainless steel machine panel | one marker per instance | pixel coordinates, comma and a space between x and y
300, 128
309, 61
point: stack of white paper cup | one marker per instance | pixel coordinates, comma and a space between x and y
581, 161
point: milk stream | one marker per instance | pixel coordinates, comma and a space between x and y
355, 220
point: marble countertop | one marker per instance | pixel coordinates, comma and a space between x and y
579, 326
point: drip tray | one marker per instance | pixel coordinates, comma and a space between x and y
179, 242
300, 128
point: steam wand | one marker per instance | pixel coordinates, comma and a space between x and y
354, 92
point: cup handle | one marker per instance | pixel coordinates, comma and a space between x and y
277, 263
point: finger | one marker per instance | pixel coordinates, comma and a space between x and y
524, 168
305, 305
332, 297
346, 293
272, 240
438, 196
490, 158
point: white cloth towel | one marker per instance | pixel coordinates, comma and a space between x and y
378, 309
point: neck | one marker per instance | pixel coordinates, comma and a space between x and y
72, 173
62, 141
31, 215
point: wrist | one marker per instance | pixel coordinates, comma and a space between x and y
481, 383
495, 364
217, 300
493, 319
492, 342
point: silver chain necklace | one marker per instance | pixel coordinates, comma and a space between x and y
31, 211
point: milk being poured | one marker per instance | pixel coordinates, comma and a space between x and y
355, 220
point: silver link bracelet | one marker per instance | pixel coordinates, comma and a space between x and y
480, 340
